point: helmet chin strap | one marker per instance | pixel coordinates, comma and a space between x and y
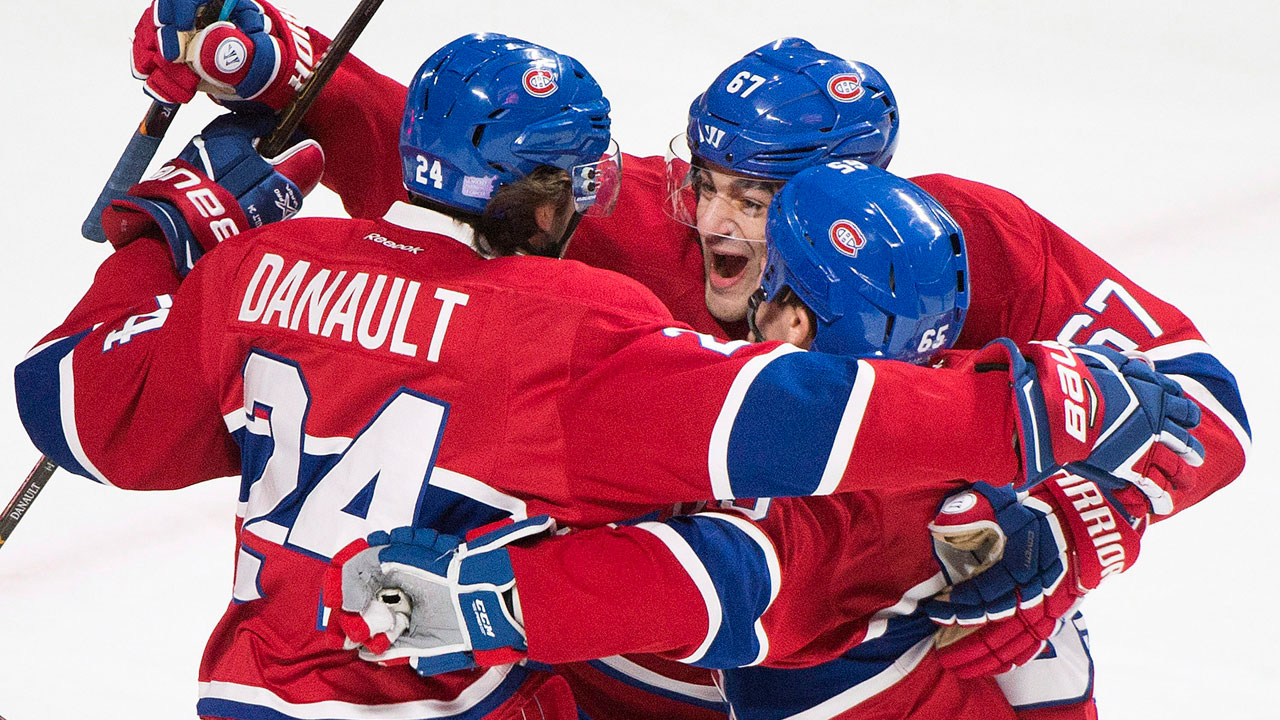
556, 248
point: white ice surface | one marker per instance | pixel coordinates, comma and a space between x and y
1146, 128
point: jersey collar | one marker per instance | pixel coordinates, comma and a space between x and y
413, 217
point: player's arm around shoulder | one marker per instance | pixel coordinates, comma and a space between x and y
122, 392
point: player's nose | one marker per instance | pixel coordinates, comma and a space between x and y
717, 215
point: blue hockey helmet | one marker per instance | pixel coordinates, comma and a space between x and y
880, 263
488, 109
788, 106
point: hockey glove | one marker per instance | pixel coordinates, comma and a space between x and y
218, 186
416, 597
259, 53
1018, 562
1093, 402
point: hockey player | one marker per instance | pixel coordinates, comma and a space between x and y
847, 574
693, 234
1055, 289
365, 374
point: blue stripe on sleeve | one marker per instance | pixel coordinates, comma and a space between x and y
226, 707
739, 571
785, 428
762, 693
1215, 377
38, 389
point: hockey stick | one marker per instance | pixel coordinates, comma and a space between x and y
142, 146
271, 146
291, 116
31, 487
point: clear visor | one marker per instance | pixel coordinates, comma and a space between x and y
737, 203
596, 184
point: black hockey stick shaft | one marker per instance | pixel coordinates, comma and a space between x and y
141, 149
26, 495
293, 113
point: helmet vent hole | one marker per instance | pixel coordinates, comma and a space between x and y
955, 245
892, 282
497, 113
477, 135
888, 327
960, 281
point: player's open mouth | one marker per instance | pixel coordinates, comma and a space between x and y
726, 268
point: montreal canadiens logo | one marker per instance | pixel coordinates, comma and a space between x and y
539, 82
847, 238
845, 87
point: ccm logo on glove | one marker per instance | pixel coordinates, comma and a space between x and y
482, 617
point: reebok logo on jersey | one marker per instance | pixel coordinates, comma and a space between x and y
382, 240
482, 617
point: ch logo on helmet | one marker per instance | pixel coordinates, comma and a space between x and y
845, 87
847, 238
230, 55
539, 82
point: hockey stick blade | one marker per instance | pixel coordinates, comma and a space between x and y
26, 495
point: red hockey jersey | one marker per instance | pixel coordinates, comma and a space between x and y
1030, 280
367, 374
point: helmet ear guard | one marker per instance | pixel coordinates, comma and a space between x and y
879, 262
487, 109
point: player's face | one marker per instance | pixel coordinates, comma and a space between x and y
731, 214
778, 319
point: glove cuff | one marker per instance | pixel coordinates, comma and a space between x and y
193, 213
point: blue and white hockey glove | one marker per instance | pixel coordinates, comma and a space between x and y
1093, 404
217, 187
1018, 562
416, 597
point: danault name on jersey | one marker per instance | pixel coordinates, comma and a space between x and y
337, 302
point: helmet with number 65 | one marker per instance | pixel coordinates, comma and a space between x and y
881, 265
488, 109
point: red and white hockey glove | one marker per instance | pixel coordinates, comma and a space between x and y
1093, 404
259, 53
416, 597
218, 186
1018, 562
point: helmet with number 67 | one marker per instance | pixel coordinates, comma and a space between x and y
879, 263
488, 109
787, 106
